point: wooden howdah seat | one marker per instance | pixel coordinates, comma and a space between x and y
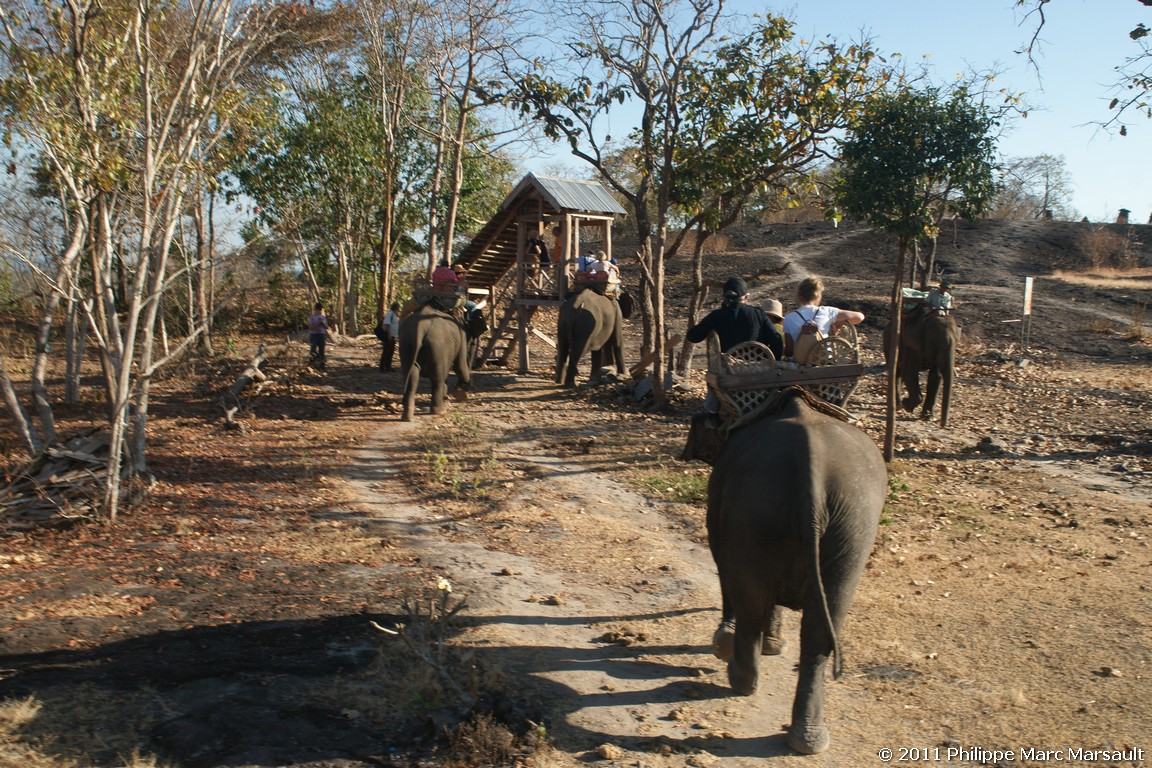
747, 379
444, 300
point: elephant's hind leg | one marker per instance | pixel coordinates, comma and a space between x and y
808, 734
930, 392
744, 666
723, 640
411, 384
439, 393
773, 643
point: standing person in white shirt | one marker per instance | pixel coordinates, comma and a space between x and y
387, 330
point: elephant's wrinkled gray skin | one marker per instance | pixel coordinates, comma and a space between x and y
588, 322
927, 344
793, 505
432, 345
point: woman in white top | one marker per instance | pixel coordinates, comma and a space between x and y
810, 313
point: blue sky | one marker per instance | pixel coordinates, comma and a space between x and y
1082, 41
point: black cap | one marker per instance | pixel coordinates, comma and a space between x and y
736, 287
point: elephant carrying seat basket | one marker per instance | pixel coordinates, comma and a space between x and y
443, 300
747, 379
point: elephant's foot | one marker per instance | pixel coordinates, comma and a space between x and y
926, 415
460, 395
724, 640
909, 404
808, 740
772, 646
743, 681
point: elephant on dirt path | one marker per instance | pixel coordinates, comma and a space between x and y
794, 501
588, 322
432, 345
927, 343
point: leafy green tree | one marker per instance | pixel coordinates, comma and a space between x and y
627, 51
317, 178
908, 158
759, 114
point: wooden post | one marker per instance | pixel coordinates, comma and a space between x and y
608, 238
521, 310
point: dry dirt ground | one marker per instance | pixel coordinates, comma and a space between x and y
231, 621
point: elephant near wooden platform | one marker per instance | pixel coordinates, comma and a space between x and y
588, 324
433, 344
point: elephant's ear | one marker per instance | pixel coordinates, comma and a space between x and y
477, 325
627, 304
706, 437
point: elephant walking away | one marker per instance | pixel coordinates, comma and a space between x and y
588, 323
432, 344
794, 501
927, 343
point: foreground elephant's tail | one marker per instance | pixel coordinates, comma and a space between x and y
814, 550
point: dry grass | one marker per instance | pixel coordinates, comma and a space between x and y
1122, 279
26, 723
484, 741
1104, 248
1137, 330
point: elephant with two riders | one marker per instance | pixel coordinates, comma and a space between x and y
433, 344
928, 342
588, 322
794, 501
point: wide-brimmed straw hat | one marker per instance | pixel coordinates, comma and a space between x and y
773, 308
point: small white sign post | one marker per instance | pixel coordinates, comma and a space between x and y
1026, 319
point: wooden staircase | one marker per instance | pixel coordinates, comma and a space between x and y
501, 344
492, 257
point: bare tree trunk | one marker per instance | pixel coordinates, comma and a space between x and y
696, 304
915, 263
930, 263
306, 269
458, 149
65, 278
893, 355
200, 315
434, 254
33, 443
75, 341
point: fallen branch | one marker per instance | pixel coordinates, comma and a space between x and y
230, 400
60, 486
